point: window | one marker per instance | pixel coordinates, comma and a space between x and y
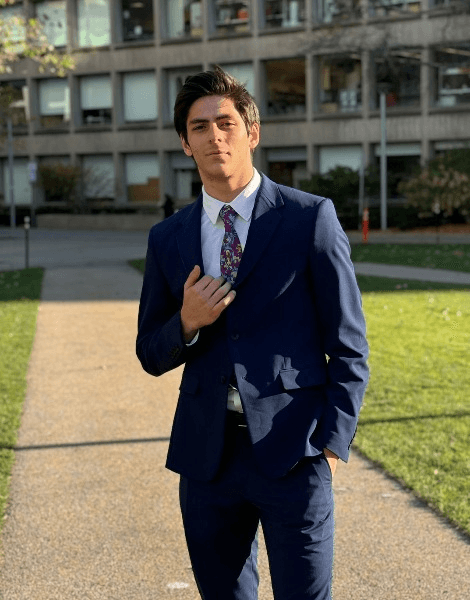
183, 18
21, 187
285, 87
137, 20
331, 157
12, 17
98, 177
398, 76
336, 11
54, 102
393, 8
96, 100
402, 162
452, 76
94, 27
140, 96
287, 166
53, 17
175, 79
243, 73
340, 84
142, 177
231, 16
14, 94
283, 13
185, 183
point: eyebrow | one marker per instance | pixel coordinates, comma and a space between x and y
219, 118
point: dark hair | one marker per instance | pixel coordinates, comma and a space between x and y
213, 83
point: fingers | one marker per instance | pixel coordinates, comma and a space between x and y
192, 277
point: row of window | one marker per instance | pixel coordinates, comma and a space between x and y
283, 90
184, 19
139, 181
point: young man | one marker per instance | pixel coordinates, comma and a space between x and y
253, 289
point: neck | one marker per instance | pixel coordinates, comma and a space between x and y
226, 189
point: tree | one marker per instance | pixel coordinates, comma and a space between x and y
21, 37
442, 187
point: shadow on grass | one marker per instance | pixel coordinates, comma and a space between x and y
413, 418
84, 444
368, 283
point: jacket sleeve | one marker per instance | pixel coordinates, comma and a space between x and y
160, 344
339, 306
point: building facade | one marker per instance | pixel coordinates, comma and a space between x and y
315, 67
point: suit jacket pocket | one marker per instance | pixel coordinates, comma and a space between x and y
293, 379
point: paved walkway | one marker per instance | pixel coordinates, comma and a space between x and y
93, 513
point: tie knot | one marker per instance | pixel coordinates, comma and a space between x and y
228, 215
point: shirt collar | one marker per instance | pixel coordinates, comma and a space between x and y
243, 204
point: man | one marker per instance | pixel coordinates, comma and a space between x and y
253, 289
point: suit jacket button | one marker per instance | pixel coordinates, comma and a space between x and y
235, 336
223, 379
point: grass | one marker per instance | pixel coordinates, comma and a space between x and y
455, 257
415, 421
19, 299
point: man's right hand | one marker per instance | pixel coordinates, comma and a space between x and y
203, 301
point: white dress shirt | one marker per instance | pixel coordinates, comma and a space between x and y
212, 235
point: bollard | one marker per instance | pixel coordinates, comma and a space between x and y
365, 226
26, 241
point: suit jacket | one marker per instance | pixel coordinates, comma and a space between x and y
294, 336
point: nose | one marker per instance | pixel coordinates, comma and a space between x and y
214, 133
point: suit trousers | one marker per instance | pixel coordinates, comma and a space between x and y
221, 519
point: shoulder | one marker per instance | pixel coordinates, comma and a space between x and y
295, 197
292, 198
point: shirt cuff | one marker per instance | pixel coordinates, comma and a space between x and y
194, 340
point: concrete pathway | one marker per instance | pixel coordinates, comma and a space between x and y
93, 513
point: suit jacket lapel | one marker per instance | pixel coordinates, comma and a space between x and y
189, 238
264, 222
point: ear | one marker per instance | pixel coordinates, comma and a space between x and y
186, 147
254, 136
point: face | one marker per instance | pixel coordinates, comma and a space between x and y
218, 141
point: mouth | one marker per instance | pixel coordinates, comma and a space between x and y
217, 153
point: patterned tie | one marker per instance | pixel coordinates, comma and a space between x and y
231, 251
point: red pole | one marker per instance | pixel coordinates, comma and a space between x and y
365, 225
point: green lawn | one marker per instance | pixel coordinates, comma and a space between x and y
19, 299
416, 417
455, 257
415, 421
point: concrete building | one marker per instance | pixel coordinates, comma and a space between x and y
315, 67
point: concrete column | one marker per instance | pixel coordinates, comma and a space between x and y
120, 192
309, 85
426, 101
157, 22
315, 78
366, 83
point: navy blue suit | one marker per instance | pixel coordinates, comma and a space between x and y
293, 338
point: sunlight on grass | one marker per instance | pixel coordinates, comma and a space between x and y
455, 257
19, 299
416, 416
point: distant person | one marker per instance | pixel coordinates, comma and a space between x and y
253, 289
168, 207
